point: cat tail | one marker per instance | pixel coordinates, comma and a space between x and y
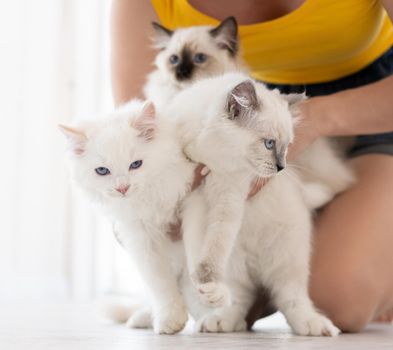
324, 172
316, 195
119, 309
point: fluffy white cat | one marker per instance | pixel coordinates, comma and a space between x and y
189, 54
131, 163
274, 244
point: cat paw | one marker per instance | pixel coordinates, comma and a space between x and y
316, 325
214, 323
171, 319
214, 294
141, 318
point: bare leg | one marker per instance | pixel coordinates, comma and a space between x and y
352, 266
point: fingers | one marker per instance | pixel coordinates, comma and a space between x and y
204, 171
199, 174
256, 186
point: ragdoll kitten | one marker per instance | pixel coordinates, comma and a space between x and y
232, 169
273, 248
188, 54
131, 163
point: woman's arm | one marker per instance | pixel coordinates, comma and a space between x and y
364, 110
131, 52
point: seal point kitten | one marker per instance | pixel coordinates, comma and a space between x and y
189, 54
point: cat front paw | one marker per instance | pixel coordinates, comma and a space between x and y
216, 323
170, 319
315, 325
211, 291
214, 294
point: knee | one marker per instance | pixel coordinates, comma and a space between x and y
346, 297
348, 320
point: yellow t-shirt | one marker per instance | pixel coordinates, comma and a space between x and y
322, 40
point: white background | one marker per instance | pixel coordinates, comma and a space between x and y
54, 65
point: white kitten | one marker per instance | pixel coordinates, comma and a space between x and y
189, 54
273, 248
261, 153
217, 133
132, 164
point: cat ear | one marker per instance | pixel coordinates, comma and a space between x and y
76, 139
241, 101
146, 122
225, 35
162, 36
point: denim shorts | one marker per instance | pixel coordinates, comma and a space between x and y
379, 69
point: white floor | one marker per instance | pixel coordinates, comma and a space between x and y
54, 326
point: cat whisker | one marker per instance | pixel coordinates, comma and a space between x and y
301, 168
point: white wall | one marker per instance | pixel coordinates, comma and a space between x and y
54, 65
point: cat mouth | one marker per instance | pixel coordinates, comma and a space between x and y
116, 195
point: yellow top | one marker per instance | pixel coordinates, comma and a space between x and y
322, 40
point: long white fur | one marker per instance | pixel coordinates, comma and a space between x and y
274, 244
142, 215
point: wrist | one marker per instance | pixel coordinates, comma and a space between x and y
316, 112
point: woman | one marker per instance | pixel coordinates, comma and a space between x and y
340, 53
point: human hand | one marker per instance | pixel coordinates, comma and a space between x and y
200, 173
256, 186
307, 128
174, 229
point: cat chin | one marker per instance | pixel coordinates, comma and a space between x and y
182, 84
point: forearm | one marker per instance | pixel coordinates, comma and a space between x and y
364, 110
131, 52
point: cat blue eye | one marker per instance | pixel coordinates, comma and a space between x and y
135, 165
269, 143
174, 59
102, 171
200, 58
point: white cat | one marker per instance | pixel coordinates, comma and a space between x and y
273, 248
132, 164
189, 54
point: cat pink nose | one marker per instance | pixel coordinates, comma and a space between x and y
123, 189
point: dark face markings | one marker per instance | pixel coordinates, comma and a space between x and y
185, 67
